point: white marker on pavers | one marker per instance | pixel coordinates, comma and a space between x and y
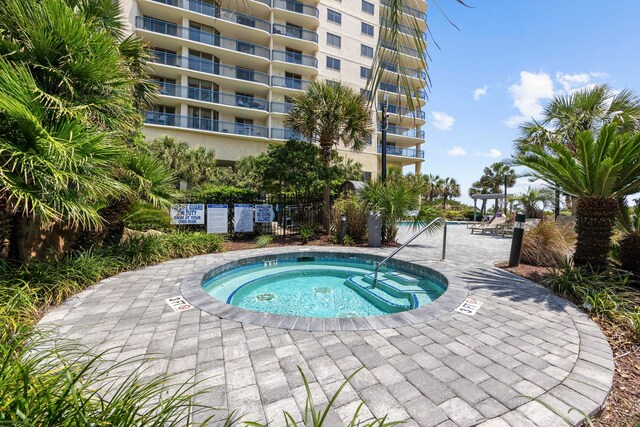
178, 304
469, 306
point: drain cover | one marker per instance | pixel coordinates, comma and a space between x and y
322, 290
265, 297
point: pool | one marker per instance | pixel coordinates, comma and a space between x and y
321, 286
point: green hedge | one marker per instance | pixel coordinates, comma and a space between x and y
221, 194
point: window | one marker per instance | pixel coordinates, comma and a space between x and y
367, 7
333, 16
366, 51
365, 72
334, 40
333, 63
332, 83
367, 29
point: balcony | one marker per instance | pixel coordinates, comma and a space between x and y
389, 87
281, 107
411, 72
402, 152
210, 67
296, 12
298, 62
402, 131
216, 40
401, 111
289, 83
213, 96
198, 123
286, 134
401, 49
296, 37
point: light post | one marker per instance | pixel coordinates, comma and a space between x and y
343, 228
505, 194
516, 242
384, 126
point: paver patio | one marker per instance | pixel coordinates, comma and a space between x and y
449, 370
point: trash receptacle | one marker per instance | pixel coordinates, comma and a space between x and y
374, 229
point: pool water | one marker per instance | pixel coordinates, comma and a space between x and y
322, 287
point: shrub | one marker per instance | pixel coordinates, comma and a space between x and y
220, 194
264, 240
47, 382
547, 244
355, 210
307, 232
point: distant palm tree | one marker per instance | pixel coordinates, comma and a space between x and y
450, 188
477, 188
494, 177
601, 171
434, 186
331, 114
534, 200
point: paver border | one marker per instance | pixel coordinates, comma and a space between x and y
192, 291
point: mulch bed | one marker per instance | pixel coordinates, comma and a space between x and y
622, 408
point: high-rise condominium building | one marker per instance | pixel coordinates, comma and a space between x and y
227, 73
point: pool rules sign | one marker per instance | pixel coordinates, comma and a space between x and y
187, 214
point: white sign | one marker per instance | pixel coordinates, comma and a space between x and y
469, 306
178, 304
187, 214
243, 218
217, 219
264, 213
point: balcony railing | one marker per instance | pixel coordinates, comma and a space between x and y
214, 96
404, 152
163, 27
281, 107
411, 72
402, 131
411, 31
193, 122
219, 13
389, 87
294, 58
407, 10
210, 67
286, 134
399, 48
290, 83
296, 32
296, 6
394, 109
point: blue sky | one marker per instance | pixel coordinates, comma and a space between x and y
507, 60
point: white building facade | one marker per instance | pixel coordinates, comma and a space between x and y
227, 73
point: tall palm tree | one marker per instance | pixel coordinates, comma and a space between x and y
601, 171
434, 186
450, 188
534, 201
331, 114
494, 177
567, 116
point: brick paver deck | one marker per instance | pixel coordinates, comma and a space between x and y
448, 369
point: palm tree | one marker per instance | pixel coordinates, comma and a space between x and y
602, 170
450, 188
331, 114
591, 108
495, 176
531, 200
70, 90
433, 186
629, 224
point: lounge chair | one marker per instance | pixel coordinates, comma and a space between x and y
495, 226
480, 226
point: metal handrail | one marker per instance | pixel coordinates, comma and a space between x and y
444, 246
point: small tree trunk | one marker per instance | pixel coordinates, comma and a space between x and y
326, 192
18, 239
594, 226
630, 253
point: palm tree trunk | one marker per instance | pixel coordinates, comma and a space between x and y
5, 226
630, 253
326, 192
594, 226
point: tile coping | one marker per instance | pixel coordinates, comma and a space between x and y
192, 291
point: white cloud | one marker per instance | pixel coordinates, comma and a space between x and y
479, 93
573, 82
493, 153
528, 95
442, 121
456, 151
